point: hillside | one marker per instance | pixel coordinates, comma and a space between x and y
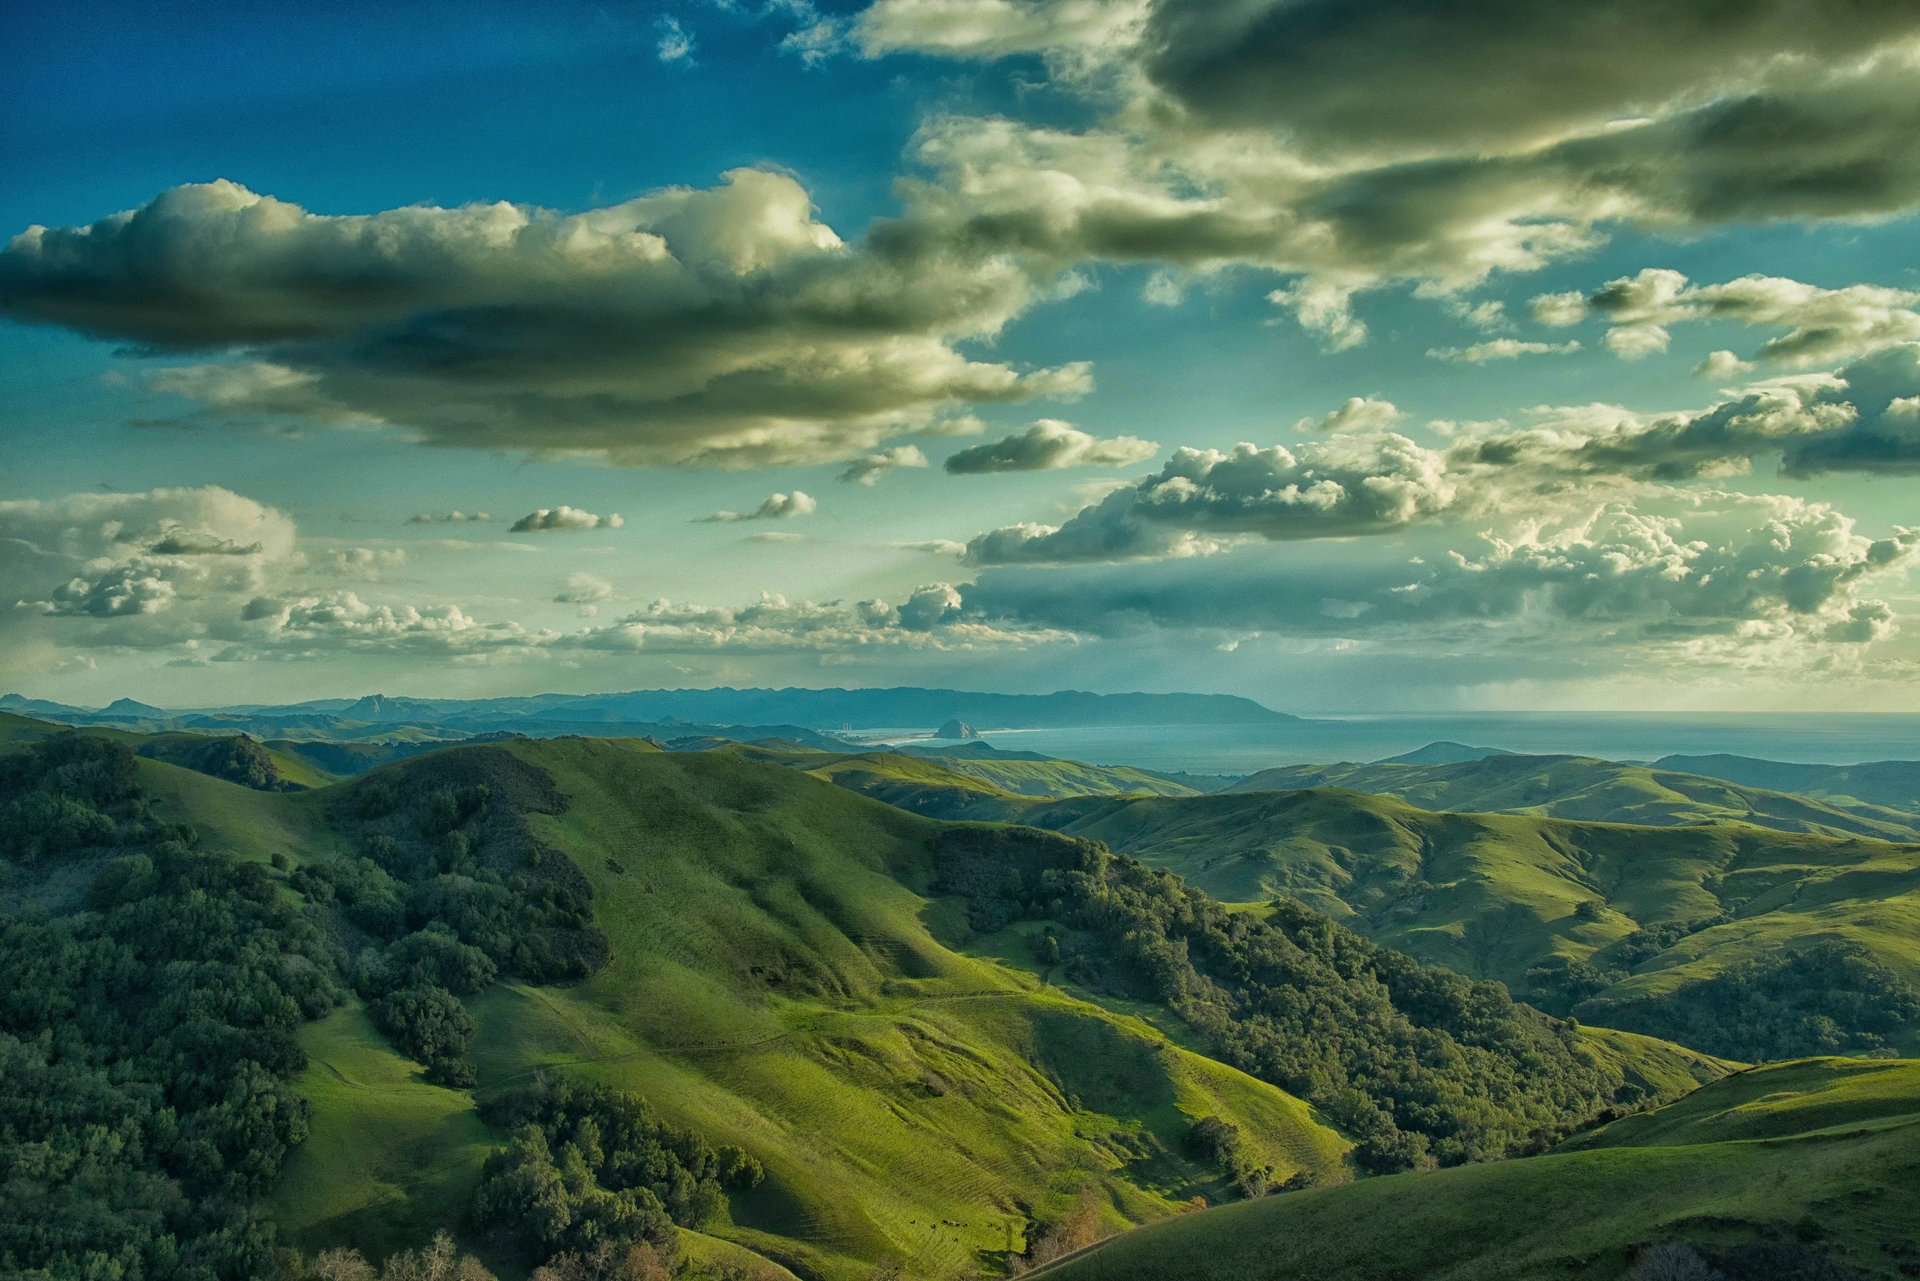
1624, 925
984, 787
780, 968
1806, 1161
1581, 787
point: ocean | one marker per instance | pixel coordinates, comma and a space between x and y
1242, 749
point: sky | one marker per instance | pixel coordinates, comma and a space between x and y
1351, 355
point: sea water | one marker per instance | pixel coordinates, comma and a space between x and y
1243, 749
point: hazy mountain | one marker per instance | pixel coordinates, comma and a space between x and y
1895, 784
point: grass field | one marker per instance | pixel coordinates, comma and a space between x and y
1824, 1152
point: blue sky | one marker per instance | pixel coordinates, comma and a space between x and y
511, 273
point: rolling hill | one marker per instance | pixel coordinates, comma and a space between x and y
1621, 924
1582, 787
783, 966
1793, 1164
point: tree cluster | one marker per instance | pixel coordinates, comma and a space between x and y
1830, 997
449, 890
147, 1034
1421, 1064
591, 1169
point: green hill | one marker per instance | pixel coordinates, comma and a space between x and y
1582, 787
1792, 1163
772, 963
1630, 926
983, 789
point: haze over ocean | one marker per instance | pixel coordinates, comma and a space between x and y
1643, 736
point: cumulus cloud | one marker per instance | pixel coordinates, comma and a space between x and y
1823, 325
1723, 365
868, 469
1048, 445
370, 563
1337, 488
775, 506
724, 326
1850, 421
455, 517
129, 571
1502, 349
1356, 414
547, 519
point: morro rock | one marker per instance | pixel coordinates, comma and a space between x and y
956, 728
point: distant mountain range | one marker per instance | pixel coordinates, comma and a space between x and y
670, 711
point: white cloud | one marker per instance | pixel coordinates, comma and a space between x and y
1355, 414
775, 506
675, 43
455, 517
1502, 349
1201, 499
1822, 325
1723, 365
548, 519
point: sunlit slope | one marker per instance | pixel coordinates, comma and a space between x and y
1822, 1154
1582, 787
776, 983
976, 788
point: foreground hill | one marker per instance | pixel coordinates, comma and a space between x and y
796, 999
1778, 1172
1583, 787
1646, 928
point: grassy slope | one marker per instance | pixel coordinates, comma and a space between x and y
1826, 1145
1580, 787
776, 984
1486, 894
981, 788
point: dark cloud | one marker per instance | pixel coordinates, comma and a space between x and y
1047, 446
1415, 75
719, 325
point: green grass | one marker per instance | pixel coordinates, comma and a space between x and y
389, 1157
1827, 1150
